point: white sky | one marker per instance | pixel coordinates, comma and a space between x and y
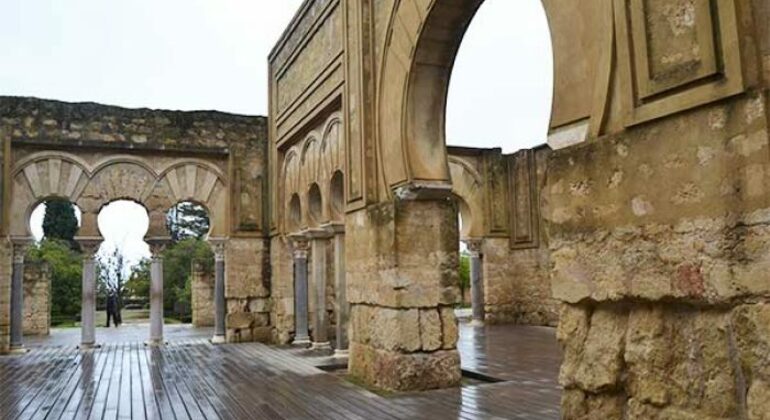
212, 54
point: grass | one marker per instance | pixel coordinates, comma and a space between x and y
130, 316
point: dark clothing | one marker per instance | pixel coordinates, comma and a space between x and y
112, 311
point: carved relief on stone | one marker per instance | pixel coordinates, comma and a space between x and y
524, 204
124, 180
675, 55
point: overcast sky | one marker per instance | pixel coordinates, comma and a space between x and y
212, 54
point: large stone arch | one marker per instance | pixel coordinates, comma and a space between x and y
419, 50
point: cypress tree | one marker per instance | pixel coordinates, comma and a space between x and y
60, 221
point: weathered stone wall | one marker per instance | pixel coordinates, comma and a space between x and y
247, 290
282, 279
37, 299
202, 284
662, 256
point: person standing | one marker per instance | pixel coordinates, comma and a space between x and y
112, 309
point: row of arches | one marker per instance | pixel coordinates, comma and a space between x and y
157, 184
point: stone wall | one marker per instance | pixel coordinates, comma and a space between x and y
37, 299
202, 297
661, 255
5, 295
247, 291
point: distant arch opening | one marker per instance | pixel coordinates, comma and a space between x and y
315, 204
337, 196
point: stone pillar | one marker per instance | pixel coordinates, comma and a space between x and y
477, 281
403, 283
220, 304
319, 241
156, 292
341, 305
89, 248
299, 246
17, 295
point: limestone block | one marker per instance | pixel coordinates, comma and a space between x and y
405, 372
758, 400
449, 327
386, 328
752, 329
577, 405
244, 269
431, 334
597, 364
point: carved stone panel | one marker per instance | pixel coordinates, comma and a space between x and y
524, 210
496, 178
676, 54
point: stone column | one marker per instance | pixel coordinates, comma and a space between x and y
156, 293
220, 304
89, 247
477, 282
341, 305
299, 246
320, 240
17, 295
402, 285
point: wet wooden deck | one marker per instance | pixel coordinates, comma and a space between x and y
191, 379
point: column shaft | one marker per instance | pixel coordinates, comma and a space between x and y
477, 285
88, 304
156, 301
340, 289
301, 337
220, 305
17, 304
321, 324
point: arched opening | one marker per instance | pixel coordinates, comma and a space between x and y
315, 205
295, 214
122, 258
501, 85
337, 196
188, 266
53, 268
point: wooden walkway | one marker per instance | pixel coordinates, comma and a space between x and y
194, 380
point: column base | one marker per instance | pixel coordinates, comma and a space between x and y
218, 339
321, 346
303, 342
341, 354
18, 350
155, 343
477, 323
89, 346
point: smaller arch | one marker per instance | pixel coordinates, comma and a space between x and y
337, 196
204, 220
315, 205
30, 215
294, 212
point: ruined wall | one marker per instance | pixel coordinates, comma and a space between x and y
282, 270
660, 229
37, 299
247, 290
6, 255
202, 284
93, 154
500, 199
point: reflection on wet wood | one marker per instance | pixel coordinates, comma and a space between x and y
191, 379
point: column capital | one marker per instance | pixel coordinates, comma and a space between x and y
334, 228
89, 245
218, 246
20, 247
157, 244
474, 246
299, 245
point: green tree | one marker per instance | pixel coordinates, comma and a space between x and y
60, 221
138, 284
178, 260
187, 220
465, 272
66, 278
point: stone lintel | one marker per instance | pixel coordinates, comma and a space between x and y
424, 191
334, 227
